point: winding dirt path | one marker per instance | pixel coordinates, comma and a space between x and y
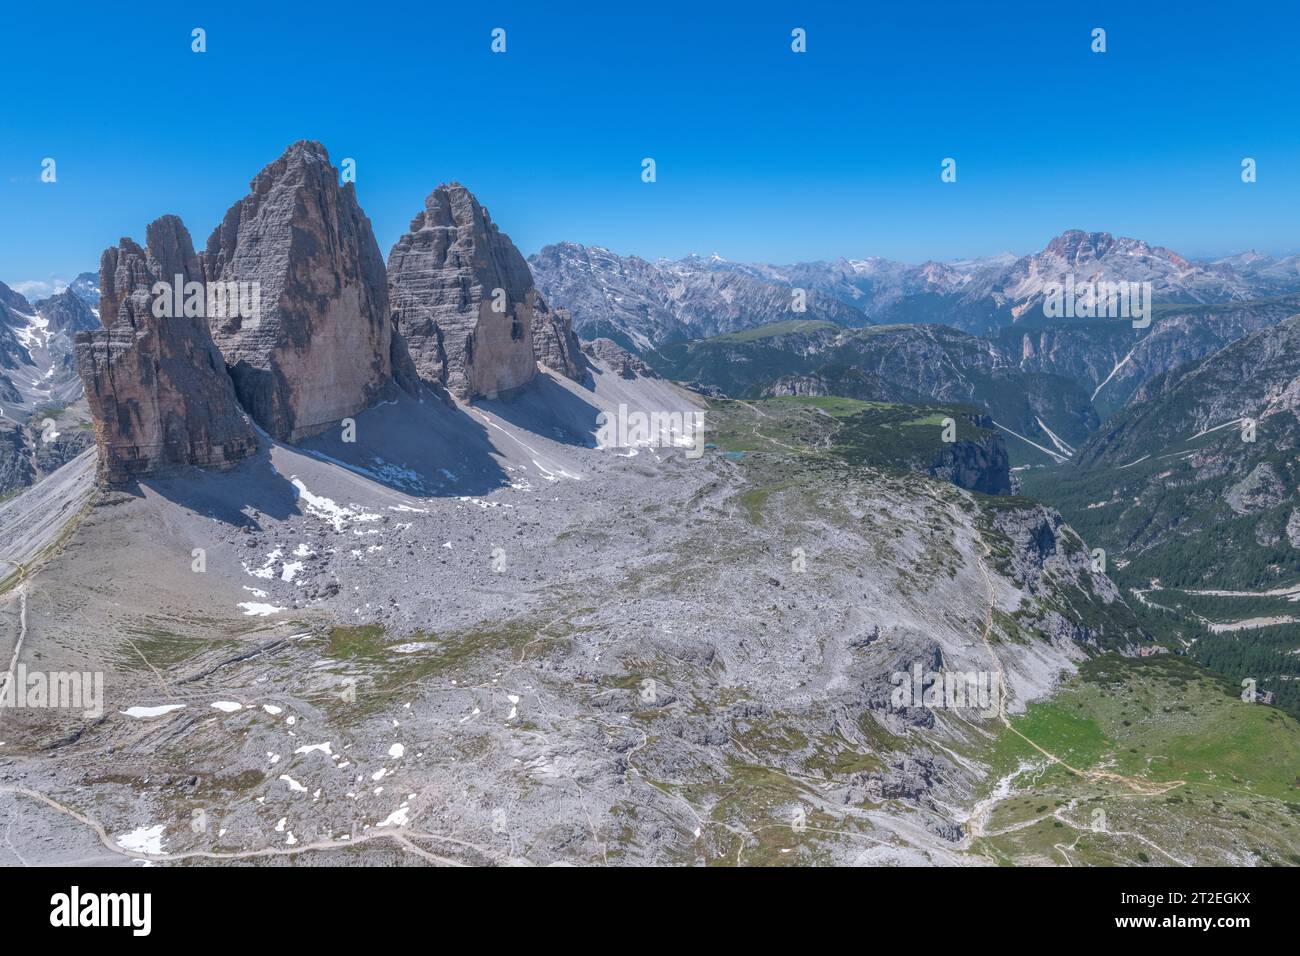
22, 636
1137, 784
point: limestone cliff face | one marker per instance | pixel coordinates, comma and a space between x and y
1042, 555
466, 303
618, 359
556, 345
975, 465
322, 347
157, 387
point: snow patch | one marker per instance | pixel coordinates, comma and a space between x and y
258, 609
143, 840
294, 785
147, 712
326, 508
398, 818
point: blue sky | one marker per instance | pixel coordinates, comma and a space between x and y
762, 154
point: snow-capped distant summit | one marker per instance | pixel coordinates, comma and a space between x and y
36, 344
86, 288
1098, 256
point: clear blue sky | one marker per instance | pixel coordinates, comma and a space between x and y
762, 154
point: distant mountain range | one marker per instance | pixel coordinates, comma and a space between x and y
36, 343
43, 417
640, 303
972, 330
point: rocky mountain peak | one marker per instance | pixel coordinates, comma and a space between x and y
1075, 245
305, 161
86, 287
127, 273
170, 249
465, 301
67, 312
322, 346
15, 301
157, 387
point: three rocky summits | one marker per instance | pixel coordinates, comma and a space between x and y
333, 329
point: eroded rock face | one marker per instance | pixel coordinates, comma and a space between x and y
322, 347
618, 359
977, 465
28, 454
465, 301
68, 312
556, 345
1258, 491
157, 387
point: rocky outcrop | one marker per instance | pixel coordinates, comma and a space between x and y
16, 470
67, 312
618, 359
1293, 529
1043, 556
980, 465
846, 381
157, 387
1258, 491
321, 347
556, 346
466, 304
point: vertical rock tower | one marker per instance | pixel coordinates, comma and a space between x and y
157, 387
466, 304
323, 347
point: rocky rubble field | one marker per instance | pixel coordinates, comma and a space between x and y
536, 650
